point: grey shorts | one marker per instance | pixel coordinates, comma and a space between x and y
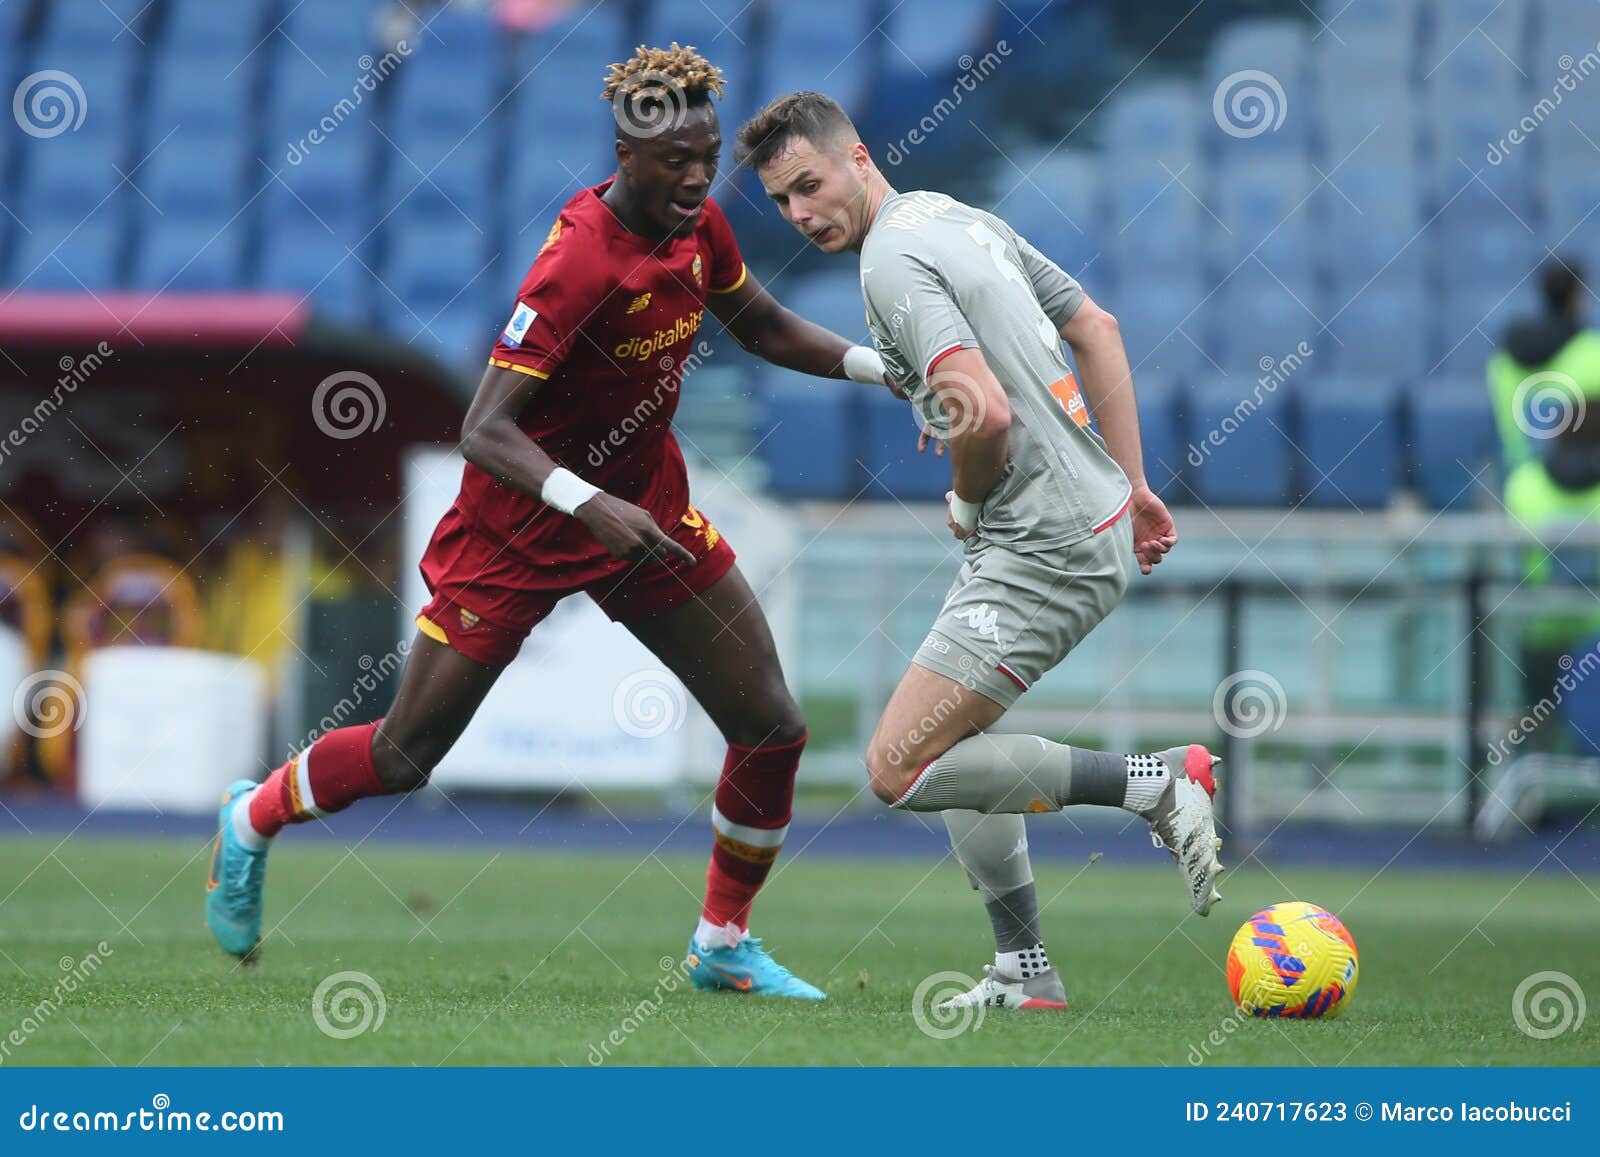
1010, 617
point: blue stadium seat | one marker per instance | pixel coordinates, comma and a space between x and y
807, 438
205, 95
1371, 215
1371, 43
1458, 23
1057, 209
1256, 321
69, 253
339, 287
332, 182
1157, 121
889, 453
1240, 434
1464, 126
1160, 400
195, 174
832, 300
1157, 220
1163, 322
824, 45
1372, 126
433, 263
104, 72
325, 31
1350, 435
928, 38
1265, 209
1471, 322
89, 25
1486, 246
202, 29
190, 254
1280, 48
1452, 438
76, 172
1379, 330
441, 175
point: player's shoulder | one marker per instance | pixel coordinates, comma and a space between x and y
918, 222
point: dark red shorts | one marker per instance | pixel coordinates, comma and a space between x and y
486, 601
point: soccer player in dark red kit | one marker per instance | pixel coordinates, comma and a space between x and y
595, 346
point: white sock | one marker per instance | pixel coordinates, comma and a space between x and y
708, 935
240, 815
1023, 963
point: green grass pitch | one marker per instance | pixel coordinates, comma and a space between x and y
546, 958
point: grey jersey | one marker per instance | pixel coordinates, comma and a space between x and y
938, 276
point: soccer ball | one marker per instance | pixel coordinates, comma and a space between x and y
1293, 959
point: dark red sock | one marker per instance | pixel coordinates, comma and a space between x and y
326, 777
753, 802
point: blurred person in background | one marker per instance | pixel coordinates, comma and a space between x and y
1542, 382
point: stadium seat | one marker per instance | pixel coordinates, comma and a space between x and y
433, 265
207, 96
1370, 215
1163, 322
1379, 328
823, 45
808, 435
77, 172
1057, 208
1459, 23
195, 174
1157, 219
1471, 322
339, 287
203, 29
190, 254
1370, 44
1161, 433
1350, 436
1280, 48
832, 300
1156, 121
1264, 206
91, 25
889, 453
441, 175
70, 253
1372, 126
1452, 434
1256, 321
1240, 434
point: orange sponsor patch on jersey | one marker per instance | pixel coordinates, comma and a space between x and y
1066, 392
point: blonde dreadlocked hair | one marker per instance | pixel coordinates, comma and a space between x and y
658, 68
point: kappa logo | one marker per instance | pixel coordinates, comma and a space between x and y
935, 643
639, 303
984, 621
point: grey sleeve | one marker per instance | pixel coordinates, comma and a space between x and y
1057, 290
914, 305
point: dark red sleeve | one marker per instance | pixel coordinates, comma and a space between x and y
727, 263
558, 295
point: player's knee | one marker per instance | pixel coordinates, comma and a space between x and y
775, 722
403, 762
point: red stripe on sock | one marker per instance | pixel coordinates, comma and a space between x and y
756, 790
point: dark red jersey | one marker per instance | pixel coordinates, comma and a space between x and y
607, 319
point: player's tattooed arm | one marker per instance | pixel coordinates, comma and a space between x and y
1107, 384
764, 327
492, 441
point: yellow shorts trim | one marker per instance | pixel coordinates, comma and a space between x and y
540, 374
744, 271
432, 629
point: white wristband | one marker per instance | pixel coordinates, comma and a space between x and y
965, 513
862, 364
565, 491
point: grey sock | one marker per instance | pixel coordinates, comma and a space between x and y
1015, 918
1018, 773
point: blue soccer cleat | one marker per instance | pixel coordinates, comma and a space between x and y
236, 879
747, 967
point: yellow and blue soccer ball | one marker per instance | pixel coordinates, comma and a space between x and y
1293, 960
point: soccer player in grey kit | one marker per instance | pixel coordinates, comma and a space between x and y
969, 319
